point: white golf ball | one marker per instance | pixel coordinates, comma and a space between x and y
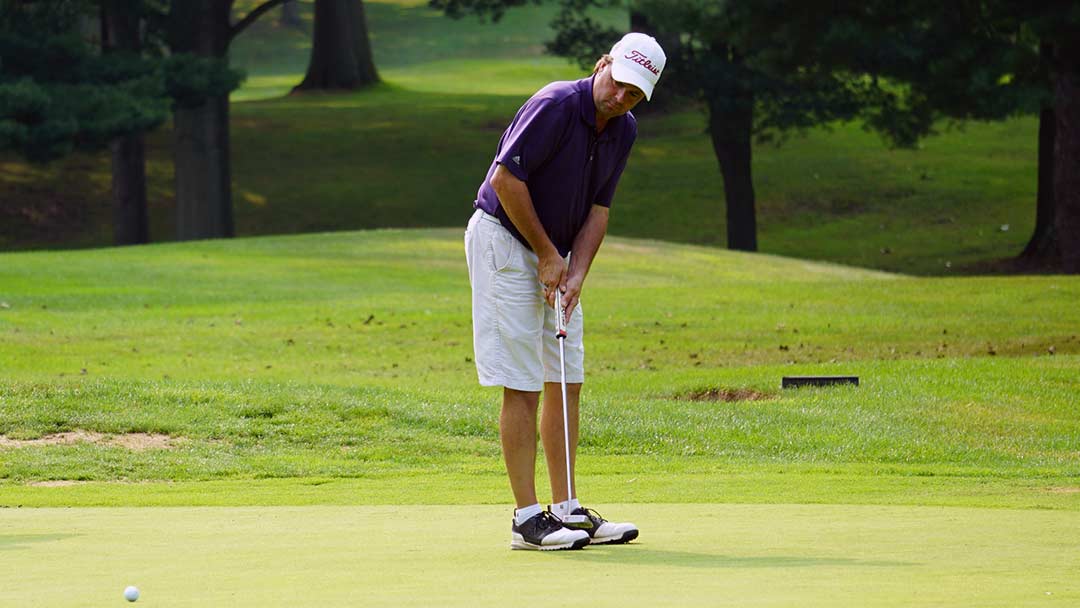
131, 593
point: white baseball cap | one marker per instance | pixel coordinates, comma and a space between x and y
638, 60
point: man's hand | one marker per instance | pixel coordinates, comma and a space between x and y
552, 270
571, 293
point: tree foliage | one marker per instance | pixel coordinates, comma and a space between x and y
189, 79
922, 61
58, 93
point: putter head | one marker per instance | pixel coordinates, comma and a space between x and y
577, 519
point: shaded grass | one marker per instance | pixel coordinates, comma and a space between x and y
841, 195
396, 157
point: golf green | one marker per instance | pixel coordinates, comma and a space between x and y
688, 555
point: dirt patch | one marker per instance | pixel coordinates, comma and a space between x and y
132, 441
1064, 490
145, 441
65, 438
726, 394
55, 483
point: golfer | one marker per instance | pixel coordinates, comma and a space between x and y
541, 214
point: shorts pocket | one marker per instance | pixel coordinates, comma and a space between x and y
503, 247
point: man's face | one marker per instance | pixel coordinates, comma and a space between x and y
613, 98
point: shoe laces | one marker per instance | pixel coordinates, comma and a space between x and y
548, 520
591, 514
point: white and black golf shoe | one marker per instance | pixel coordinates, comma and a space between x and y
544, 532
600, 530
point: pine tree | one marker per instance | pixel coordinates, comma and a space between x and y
59, 92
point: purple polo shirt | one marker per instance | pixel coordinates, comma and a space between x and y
552, 145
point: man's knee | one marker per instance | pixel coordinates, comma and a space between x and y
516, 399
573, 389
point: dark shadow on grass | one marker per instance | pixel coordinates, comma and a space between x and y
634, 554
9, 542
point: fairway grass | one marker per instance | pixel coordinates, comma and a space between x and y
688, 555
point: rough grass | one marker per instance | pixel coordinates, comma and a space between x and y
348, 355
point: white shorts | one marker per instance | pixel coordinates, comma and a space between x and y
514, 339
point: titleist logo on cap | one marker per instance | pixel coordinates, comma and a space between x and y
640, 59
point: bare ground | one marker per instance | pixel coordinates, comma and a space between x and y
131, 441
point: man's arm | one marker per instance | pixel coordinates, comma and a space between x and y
586, 244
517, 202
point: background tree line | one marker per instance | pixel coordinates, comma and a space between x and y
761, 69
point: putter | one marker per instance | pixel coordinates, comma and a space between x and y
560, 335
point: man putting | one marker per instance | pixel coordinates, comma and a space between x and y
541, 214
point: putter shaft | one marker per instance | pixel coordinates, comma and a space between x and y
560, 335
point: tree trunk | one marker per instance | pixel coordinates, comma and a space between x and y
730, 129
120, 32
1042, 248
131, 224
365, 61
340, 50
201, 131
290, 14
201, 161
1067, 157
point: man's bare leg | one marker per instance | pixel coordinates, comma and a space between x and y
517, 430
551, 433
599, 529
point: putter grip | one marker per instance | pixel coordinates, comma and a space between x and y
560, 326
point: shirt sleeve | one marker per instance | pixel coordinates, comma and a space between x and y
532, 138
